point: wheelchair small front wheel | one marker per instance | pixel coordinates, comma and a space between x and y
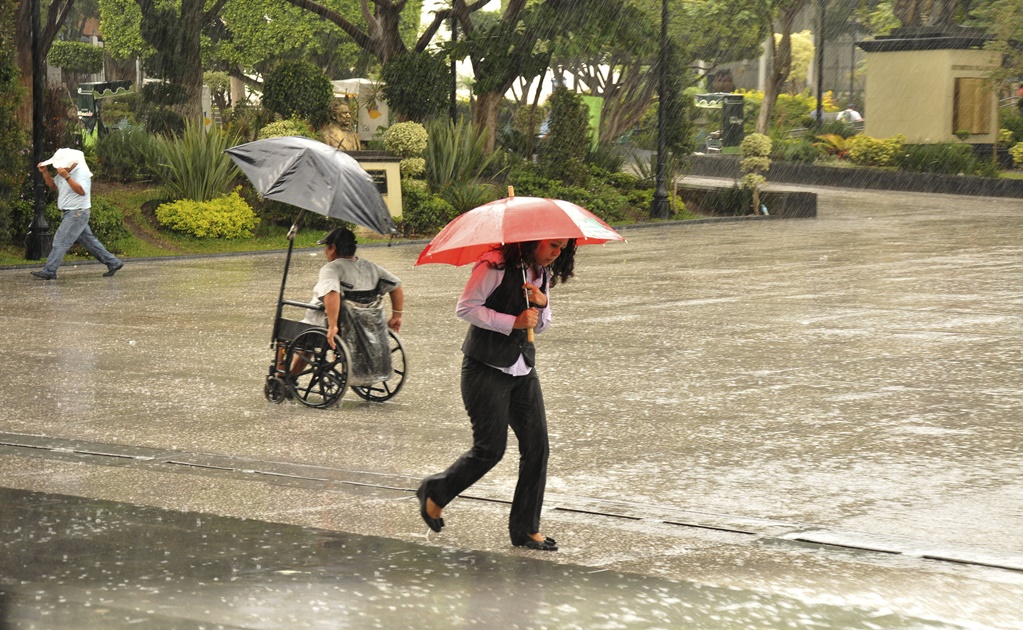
385, 390
275, 389
319, 373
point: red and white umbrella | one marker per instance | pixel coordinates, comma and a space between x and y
514, 220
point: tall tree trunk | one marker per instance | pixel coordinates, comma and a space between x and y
484, 117
192, 21
51, 23
781, 64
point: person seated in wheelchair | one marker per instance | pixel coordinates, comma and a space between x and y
358, 280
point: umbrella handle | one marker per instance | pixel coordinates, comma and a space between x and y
525, 292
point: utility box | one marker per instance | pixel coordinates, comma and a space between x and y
366, 102
732, 120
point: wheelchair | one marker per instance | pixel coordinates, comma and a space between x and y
367, 357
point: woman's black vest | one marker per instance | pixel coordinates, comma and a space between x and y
495, 348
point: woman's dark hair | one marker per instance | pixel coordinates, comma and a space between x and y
562, 268
343, 240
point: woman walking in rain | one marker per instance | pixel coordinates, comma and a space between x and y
507, 296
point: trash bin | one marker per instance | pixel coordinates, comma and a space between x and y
732, 120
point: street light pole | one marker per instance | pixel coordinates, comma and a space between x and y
453, 106
39, 240
659, 207
820, 63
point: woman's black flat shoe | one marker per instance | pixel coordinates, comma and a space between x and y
547, 544
436, 524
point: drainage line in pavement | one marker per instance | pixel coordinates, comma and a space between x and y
825, 538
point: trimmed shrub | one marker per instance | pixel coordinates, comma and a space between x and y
405, 139
799, 150
755, 150
15, 219
290, 127
568, 141
1012, 120
412, 167
422, 213
227, 216
946, 158
600, 196
1017, 154
867, 151
298, 88
622, 181
75, 57
530, 183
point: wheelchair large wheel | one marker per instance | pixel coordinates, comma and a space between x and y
385, 390
323, 376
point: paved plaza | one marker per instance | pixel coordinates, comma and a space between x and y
754, 424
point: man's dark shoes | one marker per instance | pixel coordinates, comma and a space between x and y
44, 275
548, 544
112, 270
436, 524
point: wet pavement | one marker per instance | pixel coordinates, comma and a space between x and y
800, 423
100, 564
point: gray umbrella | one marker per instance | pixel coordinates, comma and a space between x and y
314, 176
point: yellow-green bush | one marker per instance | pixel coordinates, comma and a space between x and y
228, 216
406, 139
1017, 154
412, 167
867, 151
290, 127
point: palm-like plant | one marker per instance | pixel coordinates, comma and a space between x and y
833, 144
455, 154
194, 165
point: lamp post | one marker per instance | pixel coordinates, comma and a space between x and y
659, 207
39, 240
453, 107
820, 62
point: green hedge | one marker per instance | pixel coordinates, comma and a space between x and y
422, 212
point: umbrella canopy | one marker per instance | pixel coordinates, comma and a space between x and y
314, 176
514, 220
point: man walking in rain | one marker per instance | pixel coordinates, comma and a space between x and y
74, 199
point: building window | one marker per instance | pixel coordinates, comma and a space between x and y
380, 179
972, 110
